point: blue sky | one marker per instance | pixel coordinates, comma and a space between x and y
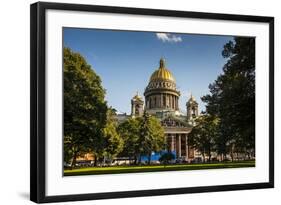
125, 60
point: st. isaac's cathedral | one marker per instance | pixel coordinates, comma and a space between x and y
162, 101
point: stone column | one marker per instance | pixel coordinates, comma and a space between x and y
157, 101
186, 147
168, 141
171, 140
167, 100
174, 143
179, 145
161, 100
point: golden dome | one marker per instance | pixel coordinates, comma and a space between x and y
162, 73
137, 97
192, 100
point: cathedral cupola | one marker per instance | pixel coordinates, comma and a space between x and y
161, 94
137, 106
191, 108
162, 73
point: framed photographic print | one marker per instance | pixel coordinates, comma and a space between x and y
129, 102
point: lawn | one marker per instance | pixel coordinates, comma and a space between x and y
155, 168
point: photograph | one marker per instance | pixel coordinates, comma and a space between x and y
143, 101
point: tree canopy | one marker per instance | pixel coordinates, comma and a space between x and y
203, 136
91, 127
142, 136
84, 106
151, 137
129, 131
232, 97
113, 142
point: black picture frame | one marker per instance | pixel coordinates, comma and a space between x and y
38, 101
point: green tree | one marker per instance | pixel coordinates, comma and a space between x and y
203, 135
141, 136
129, 131
113, 142
84, 107
151, 136
232, 98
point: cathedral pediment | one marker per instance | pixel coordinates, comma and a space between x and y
174, 121
176, 124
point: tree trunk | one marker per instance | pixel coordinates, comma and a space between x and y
139, 160
103, 161
149, 159
95, 160
135, 160
209, 153
73, 160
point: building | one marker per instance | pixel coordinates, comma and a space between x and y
161, 99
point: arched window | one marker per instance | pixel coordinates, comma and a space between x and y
193, 112
137, 109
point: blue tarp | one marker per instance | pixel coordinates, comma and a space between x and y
156, 155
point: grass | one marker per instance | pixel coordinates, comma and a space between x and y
155, 168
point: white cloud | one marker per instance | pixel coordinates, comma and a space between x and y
167, 37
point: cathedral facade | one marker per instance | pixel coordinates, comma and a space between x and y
161, 99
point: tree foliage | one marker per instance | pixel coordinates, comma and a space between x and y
84, 107
203, 136
151, 137
232, 98
142, 136
113, 142
129, 131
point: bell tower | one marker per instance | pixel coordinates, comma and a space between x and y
192, 109
137, 106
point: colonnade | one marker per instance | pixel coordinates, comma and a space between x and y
178, 143
162, 100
